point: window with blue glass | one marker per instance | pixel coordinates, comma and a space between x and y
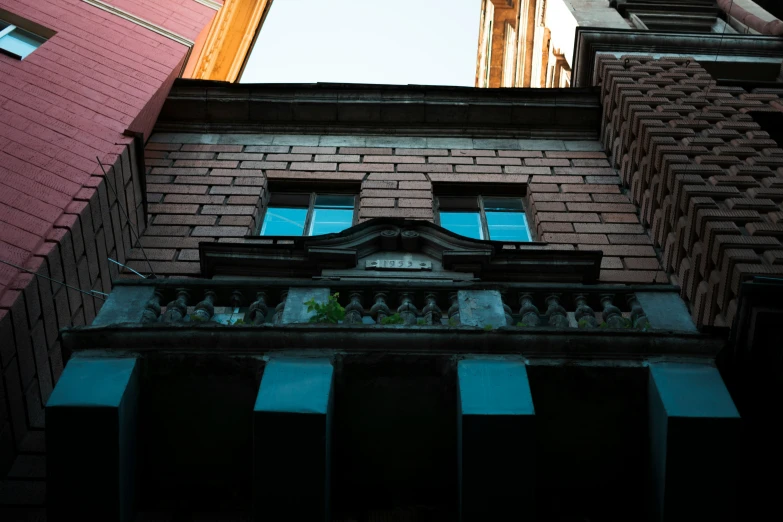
308, 214
17, 42
484, 217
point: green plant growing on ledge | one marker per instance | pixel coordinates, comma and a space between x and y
487, 327
238, 322
522, 324
197, 318
582, 323
421, 322
626, 324
393, 319
329, 312
453, 321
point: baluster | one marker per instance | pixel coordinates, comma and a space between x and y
528, 311
152, 309
354, 310
453, 311
407, 310
236, 300
612, 315
280, 308
506, 308
206, 308
432, 313
638, 317
556, 314
380, 309
584, 315
178, 308
256, 312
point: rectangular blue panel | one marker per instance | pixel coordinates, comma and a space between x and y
328, 221
281, 221
91, 427
93, 382
494, 387
466, 224
295, 386
692, 390
507, 226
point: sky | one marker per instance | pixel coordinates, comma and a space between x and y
425, 42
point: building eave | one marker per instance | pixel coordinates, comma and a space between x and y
326, 108
589, 41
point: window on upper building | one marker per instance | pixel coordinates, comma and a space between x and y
687, 16
19, 42
308, 214
484, 217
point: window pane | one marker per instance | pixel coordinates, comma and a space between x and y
281, 221
328, 221
502, 204
507, 226
20, 43
466, 224
333, 201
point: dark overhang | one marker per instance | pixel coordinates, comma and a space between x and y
303, 256
325, 108
723, 52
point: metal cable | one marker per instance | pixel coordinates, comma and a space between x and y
92, 293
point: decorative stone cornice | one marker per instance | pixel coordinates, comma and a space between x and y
702, 46
309, 256
203, 106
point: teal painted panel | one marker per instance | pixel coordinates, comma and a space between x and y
692, 390
295, 386
92, 382
494, 387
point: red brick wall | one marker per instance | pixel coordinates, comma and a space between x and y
707, 178
60, 108
214, 193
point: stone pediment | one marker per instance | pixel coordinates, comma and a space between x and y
388, 247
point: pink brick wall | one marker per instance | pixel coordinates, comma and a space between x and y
64, 105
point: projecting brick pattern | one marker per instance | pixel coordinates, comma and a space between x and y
706, 177
92, 229
203, 192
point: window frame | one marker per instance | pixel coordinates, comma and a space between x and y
479, 199
310, 208
15, 22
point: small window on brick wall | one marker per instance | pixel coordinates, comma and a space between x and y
308, 214
20, 37
484, 217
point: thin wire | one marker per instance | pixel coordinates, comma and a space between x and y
127, 218
91, 293
126, 266
723, 34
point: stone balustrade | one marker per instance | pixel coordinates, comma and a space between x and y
251, 303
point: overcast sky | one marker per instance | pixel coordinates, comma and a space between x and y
427, 42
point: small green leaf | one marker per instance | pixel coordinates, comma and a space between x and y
487, 327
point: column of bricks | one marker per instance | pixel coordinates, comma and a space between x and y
707, 178
214, 193
75, 250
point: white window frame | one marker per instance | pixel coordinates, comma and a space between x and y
10, 28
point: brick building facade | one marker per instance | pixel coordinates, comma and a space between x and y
651, 190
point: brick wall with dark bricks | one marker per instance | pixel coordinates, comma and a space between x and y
93, 228
200, 192
707, 178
